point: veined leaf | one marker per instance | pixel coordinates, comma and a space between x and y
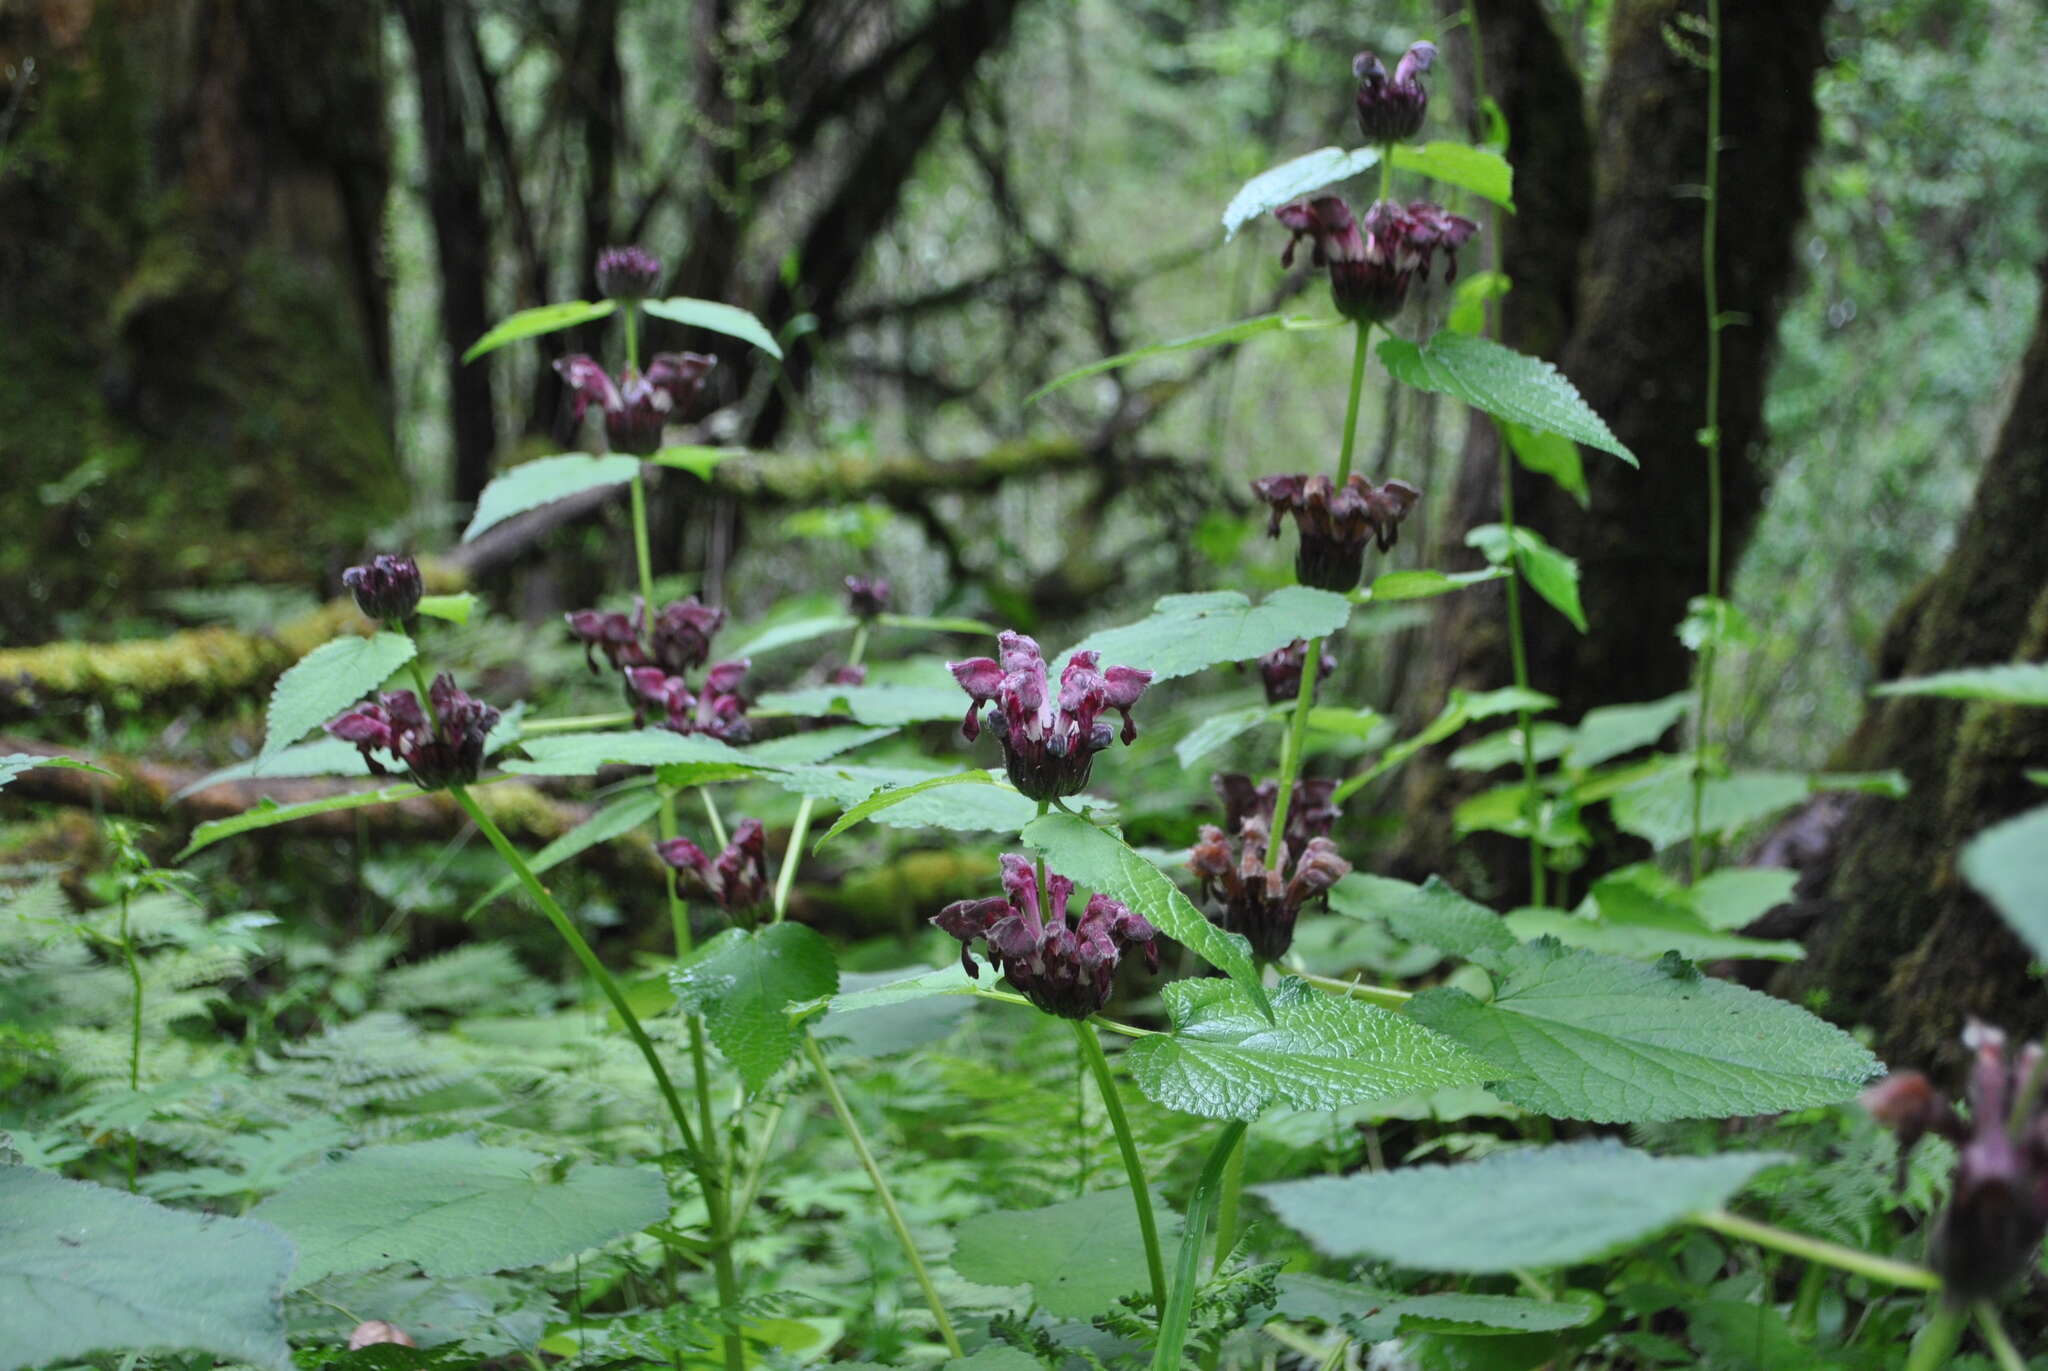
531, 323
326, 681
790, 633
1549, 454
1186, 633
1423, 584
1226, 1060
14, 763
1101, 861
1486, 174
582, 754
1584, 1036
744, 983
890, 796
1550, 573
543, 481
1208, 338
456, 609
1517, 1208
1467, 313
321, 756
698, 461
1612, 730
615, 820
1292, 180
938, 624
870, 704
2011, 683
894, 1018
1077, 1256
2008, 863
1505, 383
730, 320
993, 808
1431, 913
1216, 730
269, 814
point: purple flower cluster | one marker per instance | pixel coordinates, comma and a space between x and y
1372, 265
1390, 111
867, 597
736, 879
1335, 522
1065, 969
1049, 742
655, 661
1280, 670
1252, 899
387, 588
1998, 1207
446, 749
637, 407
627, 273
718, 709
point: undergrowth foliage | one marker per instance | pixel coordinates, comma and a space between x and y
1153, 1091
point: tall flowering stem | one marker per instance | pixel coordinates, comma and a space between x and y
1711, 434
1127, 1146
1518, 653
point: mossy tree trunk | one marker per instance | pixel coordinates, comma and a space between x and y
194, 365
1904, 944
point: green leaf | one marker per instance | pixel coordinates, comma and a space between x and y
269, 813
1292, 180
582, 754
1100, 861
1521, 1207
907, 987
994, 808
938, 624
1423, 584
1547, 742
2008, 863
543, 481
1467, 313
1225, 1060
86, 1269
1552, 455
730, 320
1486, 174
869, 704
326, 681
2014, 683
13, 764
1078, 1256
1505, 383
1583, 1036
1371, 1315
878, 1014
790, 633
1218, 729
1710, 620
813, 746
1552, 574
452, 1208
890, 796
1640, 912
454, 608
321, 756
1209, 338
698, 461
531, 323
1431, 913
1612, 730
1740, 895
615, 820
1660, 808
1186, 633
743, 984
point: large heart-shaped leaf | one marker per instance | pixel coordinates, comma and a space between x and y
1077, 1256
1185, 633
743, 984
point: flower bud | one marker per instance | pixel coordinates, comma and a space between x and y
1391, 111
627, 273
387, 588
867, 598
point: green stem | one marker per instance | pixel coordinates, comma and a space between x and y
134, 1033
1709, 272
1291, 748
1386, 171
2002, 1351
895, 1215
708, 1179
785, 876
1360, 345
1232, 1199
711, 815
1937, 1338
1187, 1272
1127, 1144
1815, 1250
1518, 653
1385, 996
541, 728
643, 558
630, 311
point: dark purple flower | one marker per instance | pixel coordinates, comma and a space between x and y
446, 750
847, 675
1997, 1210
718, 709
1391, 111
1063, 969
637, 407
1049, 743
1372, 266
1311, 813
1259, 902
387, 587
1280, 669
1335, 522
736, 879
867, 598
627, 273
681, 639
613, 633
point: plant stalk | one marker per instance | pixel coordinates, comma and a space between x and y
785, 876
2002, 1351
1848, 1259
1518, 653
1291, 747
882, 1192
1709, 268
1187, 1273
134, 1033
1937, 1337
1127, 1145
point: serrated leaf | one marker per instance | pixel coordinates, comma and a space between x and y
2008, 863
1371, 1315
1524, 1207
314, 757
1549, 454
939, 623
86, 1269
1660, 809
1186, 633
1503, 747
1101, 861
813, 746
880, 1013
269, 814
1612, 730
543, 481
14, 763
1208, 338
1550, 573
995, 808
1292, 180
328, 680
1225, 1060
892, 705
582, 754
1585, 1036
1505, 383
452, 1208
1431, 913
1486, 174
615, 820
1467, 313
744, 983
1740, 895
717, 316
456, 609
890, 796
1640, 912
531, 323
2013, 683
790, 633
1423, 584
1218, 729
1077, 1256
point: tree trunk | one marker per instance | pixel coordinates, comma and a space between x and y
1630, 331
194, 364
1906, 945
